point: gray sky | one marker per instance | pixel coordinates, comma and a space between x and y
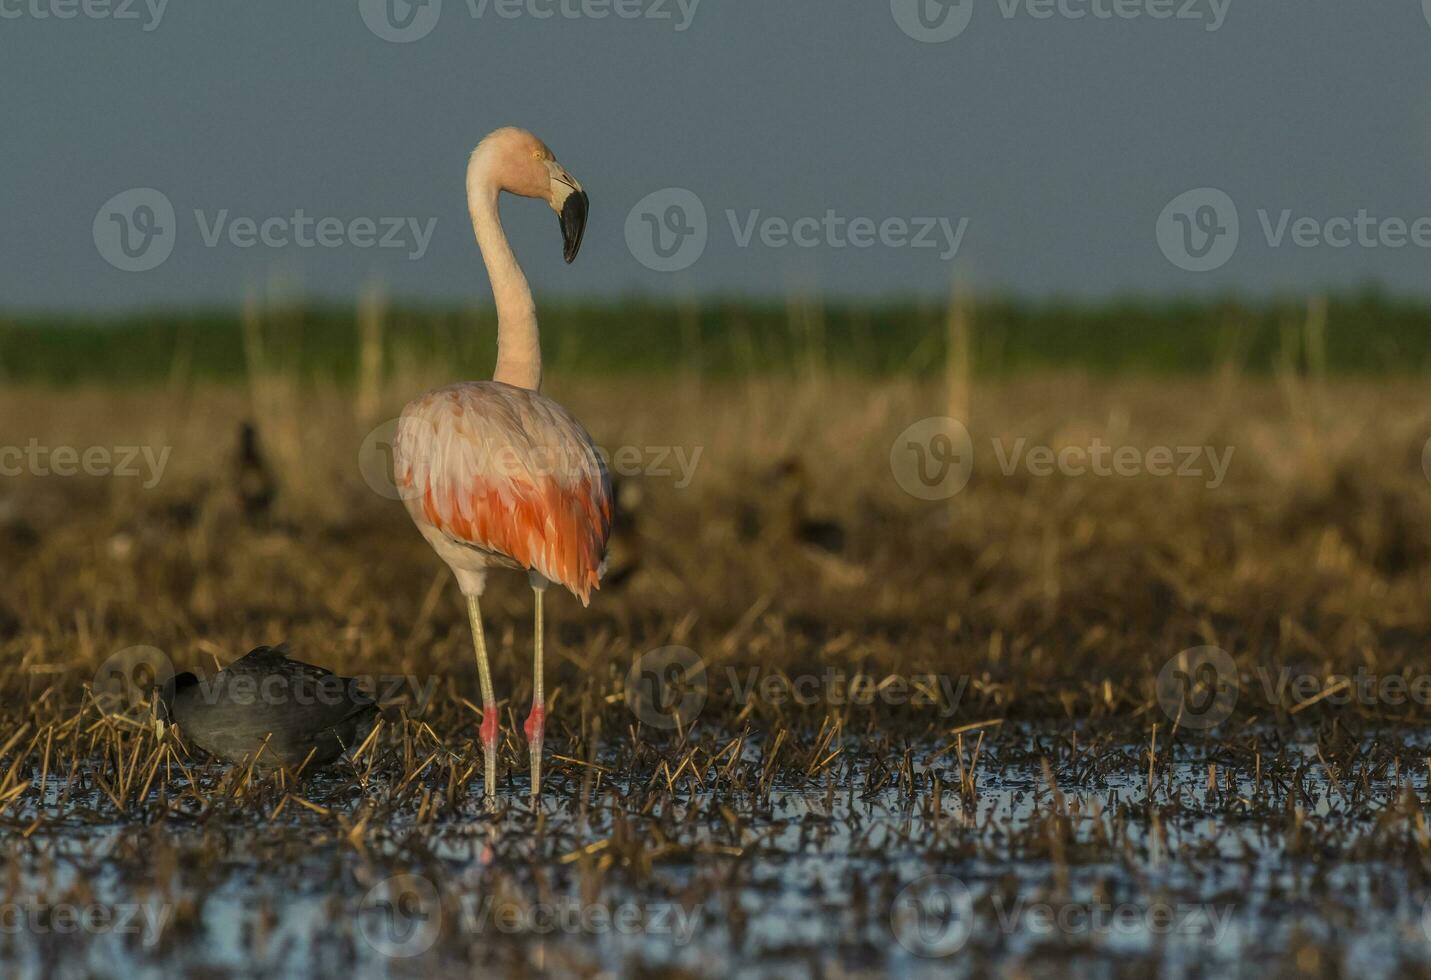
1055, 142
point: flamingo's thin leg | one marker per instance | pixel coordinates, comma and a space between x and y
536, 721
489, 699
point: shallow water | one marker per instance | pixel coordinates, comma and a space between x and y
1061, 857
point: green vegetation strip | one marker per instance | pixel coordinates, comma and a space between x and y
1366, 333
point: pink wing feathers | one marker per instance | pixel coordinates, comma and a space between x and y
509, 472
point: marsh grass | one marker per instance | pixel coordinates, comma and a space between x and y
1054, 601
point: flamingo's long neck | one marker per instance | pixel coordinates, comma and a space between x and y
519, 351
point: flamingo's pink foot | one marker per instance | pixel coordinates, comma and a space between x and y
536, 729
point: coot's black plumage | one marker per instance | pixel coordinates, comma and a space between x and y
303, 712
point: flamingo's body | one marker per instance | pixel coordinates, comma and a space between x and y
497, 476
494, 474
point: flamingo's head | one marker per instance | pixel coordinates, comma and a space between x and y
523, 165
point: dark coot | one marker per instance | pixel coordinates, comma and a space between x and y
304, 712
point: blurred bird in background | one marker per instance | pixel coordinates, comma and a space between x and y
253, 477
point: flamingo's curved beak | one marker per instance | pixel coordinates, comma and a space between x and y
573, 223
569, 201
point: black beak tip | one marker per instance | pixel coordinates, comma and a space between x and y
573, 224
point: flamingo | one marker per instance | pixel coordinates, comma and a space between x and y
495, 474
